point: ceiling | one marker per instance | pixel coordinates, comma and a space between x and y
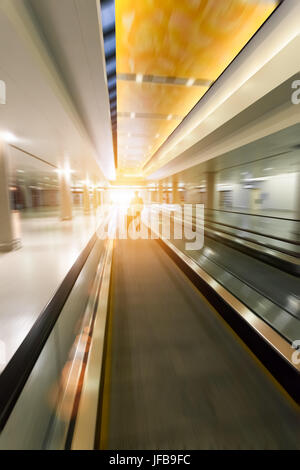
168, 55
57, 105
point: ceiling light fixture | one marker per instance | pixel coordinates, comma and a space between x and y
8, 137
139, 78
190, 82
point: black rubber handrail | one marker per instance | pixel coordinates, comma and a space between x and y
15, 375
255, 215
254, 232
246, 238
262, 234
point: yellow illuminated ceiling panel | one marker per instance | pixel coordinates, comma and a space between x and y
168, 54
157, 98
147, 127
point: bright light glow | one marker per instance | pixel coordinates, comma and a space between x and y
261, 178
190, 82
157, 136
139, 78
64, 171
133, 175
121, 197
208, 251
224, 187
268, 169
8, 137
169, 117
266, 178
132, 115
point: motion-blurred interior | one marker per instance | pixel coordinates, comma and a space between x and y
149, 224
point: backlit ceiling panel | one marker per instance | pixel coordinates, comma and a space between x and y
169, 52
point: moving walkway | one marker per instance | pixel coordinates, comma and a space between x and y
137, 350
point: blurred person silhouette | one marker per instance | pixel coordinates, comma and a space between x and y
135, 211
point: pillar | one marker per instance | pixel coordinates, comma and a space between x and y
160, 194
65, 198
95, 199
175, 192
211, 193
86, 200
98, 198
27, 196
9, 239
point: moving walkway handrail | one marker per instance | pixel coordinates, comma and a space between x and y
15, 374
254, 232
243, 229
256, 215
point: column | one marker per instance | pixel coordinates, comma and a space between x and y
27, 196
95, 199
65, 198
160, 194
211, 193
175, 192
9, 239
86, 200
98, 198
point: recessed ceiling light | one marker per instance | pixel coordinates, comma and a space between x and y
139, 78
190, 82
8, 137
